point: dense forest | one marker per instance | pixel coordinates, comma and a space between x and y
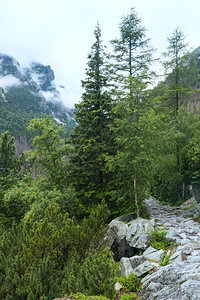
133, 139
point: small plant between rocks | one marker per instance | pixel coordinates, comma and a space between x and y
129, 296
81, 296
158, 240
165, 259
130, 286
189, 207
130, 283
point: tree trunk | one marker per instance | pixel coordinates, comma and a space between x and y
136, 198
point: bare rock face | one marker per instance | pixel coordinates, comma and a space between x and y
137, 234
127, 240
140, 264
175, 281
9, 66
153, 254
116, 239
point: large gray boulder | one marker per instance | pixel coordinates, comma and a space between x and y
137, 233
117, 232
176, 281
153, 254
116, 240
125, 267
143, 268
137, 264
127, 240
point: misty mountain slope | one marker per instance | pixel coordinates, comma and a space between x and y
26, 93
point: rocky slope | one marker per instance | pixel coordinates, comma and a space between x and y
181, 278
178, 280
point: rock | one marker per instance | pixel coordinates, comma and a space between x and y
175, 281
137, 233
125, 267
178, 280
143, 268
178, 256
117, 231
137, 265
191, 288
136, 261
118, 287
171, 234
153, 254
195, 259
116, 239
125, 218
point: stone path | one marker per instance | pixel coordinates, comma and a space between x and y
181, 278
180, 229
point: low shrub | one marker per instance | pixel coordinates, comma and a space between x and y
130, 283
129, 296
80, 296
158, 240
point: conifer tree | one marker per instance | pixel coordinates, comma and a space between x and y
132, 56
9, 164
132, 53
179, 69
91, 137
135, 128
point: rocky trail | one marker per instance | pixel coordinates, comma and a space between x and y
180, 279
180, 229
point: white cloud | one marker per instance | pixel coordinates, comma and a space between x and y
49, 96
8, 81
60, 33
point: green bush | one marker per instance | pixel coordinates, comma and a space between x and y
158, 240
130, 283
81, 296
95, 276
129, 296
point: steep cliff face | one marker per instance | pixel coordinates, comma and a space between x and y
9, 66
26, 93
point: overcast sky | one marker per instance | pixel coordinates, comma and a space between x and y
59, 33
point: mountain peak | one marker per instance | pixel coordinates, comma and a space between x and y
28, 92
9, 66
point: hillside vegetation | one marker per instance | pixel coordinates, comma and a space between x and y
130, 141
27, 94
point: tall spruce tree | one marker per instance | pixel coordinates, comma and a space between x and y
91, 137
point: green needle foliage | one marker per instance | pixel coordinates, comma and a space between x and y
95, 276
136, 131
92, 138
10, 166
49, 237
56, 203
